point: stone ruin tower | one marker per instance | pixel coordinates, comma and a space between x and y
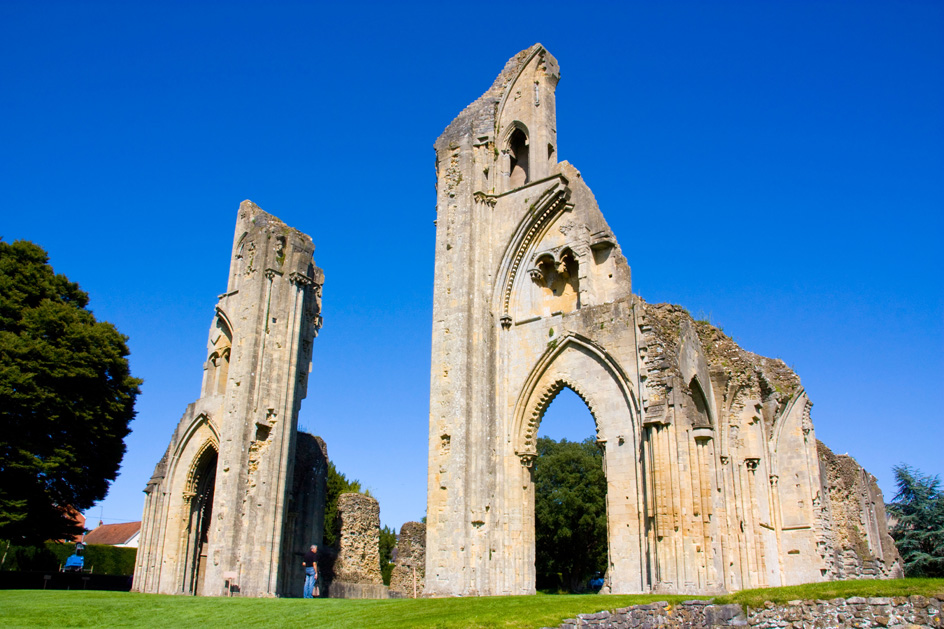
715, 481
239, 494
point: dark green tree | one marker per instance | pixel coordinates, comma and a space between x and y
337, 484
388, 541
918, 529
66, 398
569, 513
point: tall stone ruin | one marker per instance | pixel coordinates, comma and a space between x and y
239, 495
714, 478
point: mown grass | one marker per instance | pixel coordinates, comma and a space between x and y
35, 608
837, 589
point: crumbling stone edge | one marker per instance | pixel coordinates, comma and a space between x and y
898, 611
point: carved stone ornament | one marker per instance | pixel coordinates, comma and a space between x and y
481, 197
527, 458
751, 464
505, 322
300, 279
537, 276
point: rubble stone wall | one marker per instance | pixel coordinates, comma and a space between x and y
359, 547
841, 613
858, 529
411, 555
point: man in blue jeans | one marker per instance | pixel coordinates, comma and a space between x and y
310, 564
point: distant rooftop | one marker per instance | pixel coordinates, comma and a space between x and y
113, 534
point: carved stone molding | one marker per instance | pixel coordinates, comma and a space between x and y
481, 197
300, 279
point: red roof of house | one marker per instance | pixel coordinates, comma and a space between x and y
113, 534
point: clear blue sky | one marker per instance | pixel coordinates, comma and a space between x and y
777, 166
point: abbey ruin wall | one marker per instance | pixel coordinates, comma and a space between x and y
714, 480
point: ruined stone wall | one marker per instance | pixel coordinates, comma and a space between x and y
912, 611
713, 475
359, 546
409, 569
217, 507
861, 547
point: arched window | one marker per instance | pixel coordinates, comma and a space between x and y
217, 366
518, 151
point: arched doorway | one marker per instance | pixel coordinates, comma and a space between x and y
569, 498
589, 371
199, 492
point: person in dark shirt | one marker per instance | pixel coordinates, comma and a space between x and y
310, 563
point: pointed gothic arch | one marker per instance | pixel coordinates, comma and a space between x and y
578, 363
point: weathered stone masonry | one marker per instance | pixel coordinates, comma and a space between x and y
239, 494
714, 478
899, 611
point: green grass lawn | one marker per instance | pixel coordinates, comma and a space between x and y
35, 608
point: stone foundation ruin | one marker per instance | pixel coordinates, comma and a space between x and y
239, 495
409, 568
715, 481
357, 567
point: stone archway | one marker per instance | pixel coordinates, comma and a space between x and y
198, 496
593, 375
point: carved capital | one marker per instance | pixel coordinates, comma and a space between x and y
270, 273
773, 480
481, 197
537, 276
725, 460
527, 459
751, 464
299, 279
505, 322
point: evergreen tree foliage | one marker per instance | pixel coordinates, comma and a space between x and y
337, 484
66, 399
918, 528
388, 541
569, 513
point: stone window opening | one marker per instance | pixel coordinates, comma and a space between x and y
518, 170
217, 365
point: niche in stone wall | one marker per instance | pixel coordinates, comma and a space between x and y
217, 365
698, 414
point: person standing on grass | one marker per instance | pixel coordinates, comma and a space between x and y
310, 563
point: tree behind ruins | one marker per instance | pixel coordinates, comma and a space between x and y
66, 399
918, 515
